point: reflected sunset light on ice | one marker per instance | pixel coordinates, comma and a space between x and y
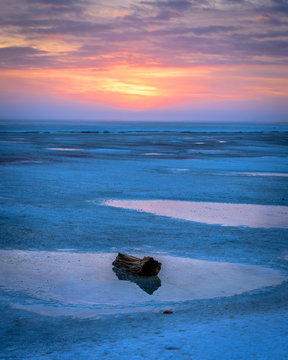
251, 215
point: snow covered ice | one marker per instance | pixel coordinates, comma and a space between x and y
209, 202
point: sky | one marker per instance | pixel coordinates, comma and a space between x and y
173, 60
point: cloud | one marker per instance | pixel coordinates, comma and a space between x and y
275, 48
19, 51
268, 19
173, 32
70, 27
279, 6
55, 2
178, 5
168, 9
59, 5
24, 57
212, 29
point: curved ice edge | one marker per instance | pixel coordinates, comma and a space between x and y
213, 213
84, 285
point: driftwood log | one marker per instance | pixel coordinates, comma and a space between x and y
144, 267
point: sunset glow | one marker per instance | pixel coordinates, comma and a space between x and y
144, 55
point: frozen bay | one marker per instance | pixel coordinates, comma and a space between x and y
53, 182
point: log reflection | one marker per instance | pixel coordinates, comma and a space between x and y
149, 284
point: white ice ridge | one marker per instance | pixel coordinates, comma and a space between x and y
85, 285
225, 214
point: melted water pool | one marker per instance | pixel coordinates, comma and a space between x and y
85, 284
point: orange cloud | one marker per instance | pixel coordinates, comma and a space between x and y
154, 87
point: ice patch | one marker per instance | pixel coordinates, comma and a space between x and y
84, 284
66, 250
179, 170
110, 151
99, 151
63, 149
263, 174
153, 154
204, 151
251, 215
